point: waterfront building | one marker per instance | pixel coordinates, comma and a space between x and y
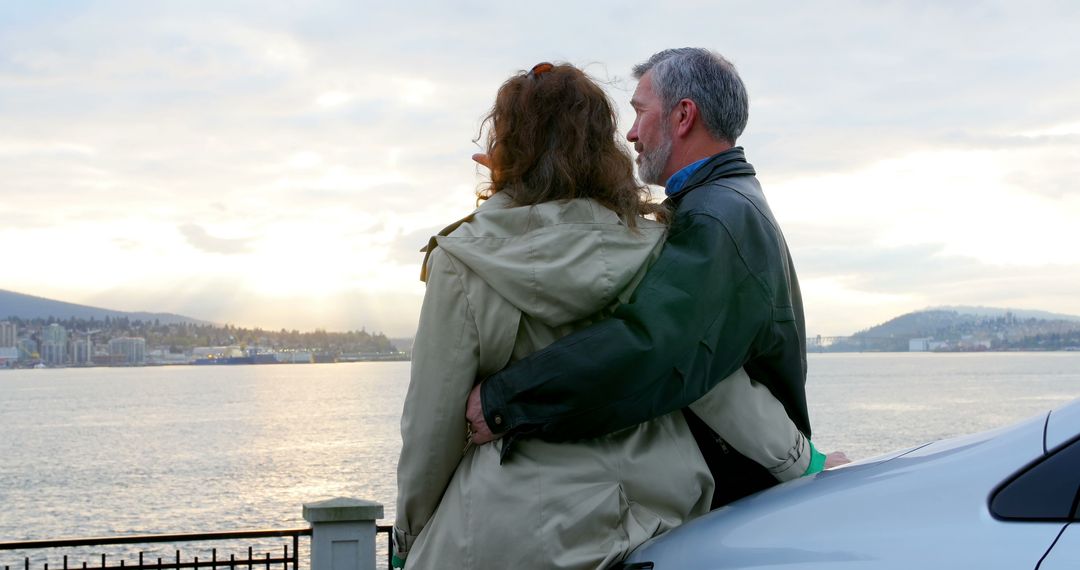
81, 350
28, 349
208, 353
919, 344
163, 356
132, 349
54, 344
294, 356
108, 359
8, 334
9, 355
927, 345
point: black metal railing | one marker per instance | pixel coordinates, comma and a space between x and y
265, 560
252, 561
388, 530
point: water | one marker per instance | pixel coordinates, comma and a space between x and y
101, 451
105, 451
869, 404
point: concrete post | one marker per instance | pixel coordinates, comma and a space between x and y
342, 533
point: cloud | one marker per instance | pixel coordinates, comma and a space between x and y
909, 152
848, 287
916, 269
200, 239
406, 247
127, 243
218, 300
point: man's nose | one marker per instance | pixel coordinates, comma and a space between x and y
631, 135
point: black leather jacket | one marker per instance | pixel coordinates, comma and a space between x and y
722, 294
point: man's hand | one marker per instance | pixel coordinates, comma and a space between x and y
834, 459
474, 414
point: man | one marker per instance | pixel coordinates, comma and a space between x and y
722, 295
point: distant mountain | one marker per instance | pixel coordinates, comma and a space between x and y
1017, 313
943, 322
919, 324
14, 304
963, 329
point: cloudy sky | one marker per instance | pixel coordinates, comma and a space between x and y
279, 164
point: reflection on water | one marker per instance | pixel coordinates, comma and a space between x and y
869, 404
176, 449
148, 450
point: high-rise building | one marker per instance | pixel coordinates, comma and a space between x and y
28, 349
8, 334
133, 349
54, 344
9, 355
81, 350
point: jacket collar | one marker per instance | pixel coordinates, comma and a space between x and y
731, 162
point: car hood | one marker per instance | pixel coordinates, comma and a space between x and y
926, 497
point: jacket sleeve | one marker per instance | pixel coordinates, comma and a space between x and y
690, 323
444, 368
747, 416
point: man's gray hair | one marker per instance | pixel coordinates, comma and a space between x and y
707, 79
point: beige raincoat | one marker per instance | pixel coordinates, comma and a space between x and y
503, 283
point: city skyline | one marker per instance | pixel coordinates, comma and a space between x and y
118, 340
30, 307
280, 168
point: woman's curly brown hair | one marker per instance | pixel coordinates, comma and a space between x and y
551, 136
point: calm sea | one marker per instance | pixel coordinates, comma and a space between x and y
105, 451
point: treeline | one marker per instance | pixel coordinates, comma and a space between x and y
182, 337
1069, 340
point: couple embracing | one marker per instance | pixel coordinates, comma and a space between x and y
641, 363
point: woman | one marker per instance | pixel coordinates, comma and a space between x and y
559, 240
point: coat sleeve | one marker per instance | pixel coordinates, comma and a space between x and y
444, 369
690, 323
747, 416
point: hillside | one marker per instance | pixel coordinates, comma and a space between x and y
996, 312
22, 306
966, 329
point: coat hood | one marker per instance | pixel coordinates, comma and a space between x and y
558, 261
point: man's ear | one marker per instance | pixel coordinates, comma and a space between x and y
686, 116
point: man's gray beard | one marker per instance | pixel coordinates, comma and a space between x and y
653, 162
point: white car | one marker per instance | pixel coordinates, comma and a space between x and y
1007, 498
